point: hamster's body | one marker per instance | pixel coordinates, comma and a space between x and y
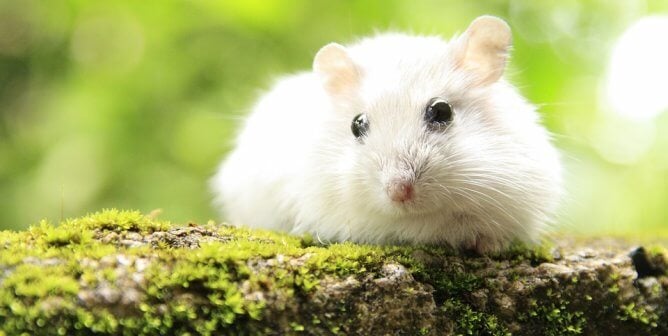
477, 180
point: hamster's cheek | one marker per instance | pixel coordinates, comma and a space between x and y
358, 182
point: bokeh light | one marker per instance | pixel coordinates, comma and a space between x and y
637, 81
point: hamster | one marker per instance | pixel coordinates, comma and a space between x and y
397, 139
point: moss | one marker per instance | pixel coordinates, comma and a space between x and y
467, 321
46, 291
119, 272
638, 314
535, 254
555, 318
658, 258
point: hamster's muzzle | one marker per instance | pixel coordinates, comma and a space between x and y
401, 190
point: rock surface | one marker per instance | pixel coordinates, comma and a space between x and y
121, 273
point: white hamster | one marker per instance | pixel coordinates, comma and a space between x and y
397, 139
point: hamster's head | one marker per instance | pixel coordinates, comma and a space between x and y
425, 127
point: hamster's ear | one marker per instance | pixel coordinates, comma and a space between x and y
336, 69
483, 49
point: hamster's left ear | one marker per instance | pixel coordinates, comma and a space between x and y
337, 70
483, 49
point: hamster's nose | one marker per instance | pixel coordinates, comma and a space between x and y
400, 190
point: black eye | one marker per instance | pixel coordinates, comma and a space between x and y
360, 125
439, 111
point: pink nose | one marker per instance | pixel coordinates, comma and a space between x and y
400, 191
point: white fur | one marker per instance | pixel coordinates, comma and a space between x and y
490, 177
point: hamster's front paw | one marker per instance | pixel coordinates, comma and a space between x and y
483, 245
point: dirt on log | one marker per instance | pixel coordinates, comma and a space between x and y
122, 273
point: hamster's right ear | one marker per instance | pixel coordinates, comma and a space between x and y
337, 70
483, 49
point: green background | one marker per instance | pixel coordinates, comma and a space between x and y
132, 104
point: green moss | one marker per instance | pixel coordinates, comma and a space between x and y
119, 272
115, 220
658, 257
214, 271
635, 313
554, 318
520, 251
35, 281
470, 322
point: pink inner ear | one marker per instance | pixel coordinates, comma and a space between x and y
337, 70
342, 81
484, 49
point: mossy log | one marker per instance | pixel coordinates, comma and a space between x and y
123, 273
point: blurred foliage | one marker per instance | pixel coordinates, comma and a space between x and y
132, 104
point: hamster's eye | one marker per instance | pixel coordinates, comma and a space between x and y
439, 111
360, 125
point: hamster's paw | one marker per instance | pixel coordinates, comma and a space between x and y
483, 245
